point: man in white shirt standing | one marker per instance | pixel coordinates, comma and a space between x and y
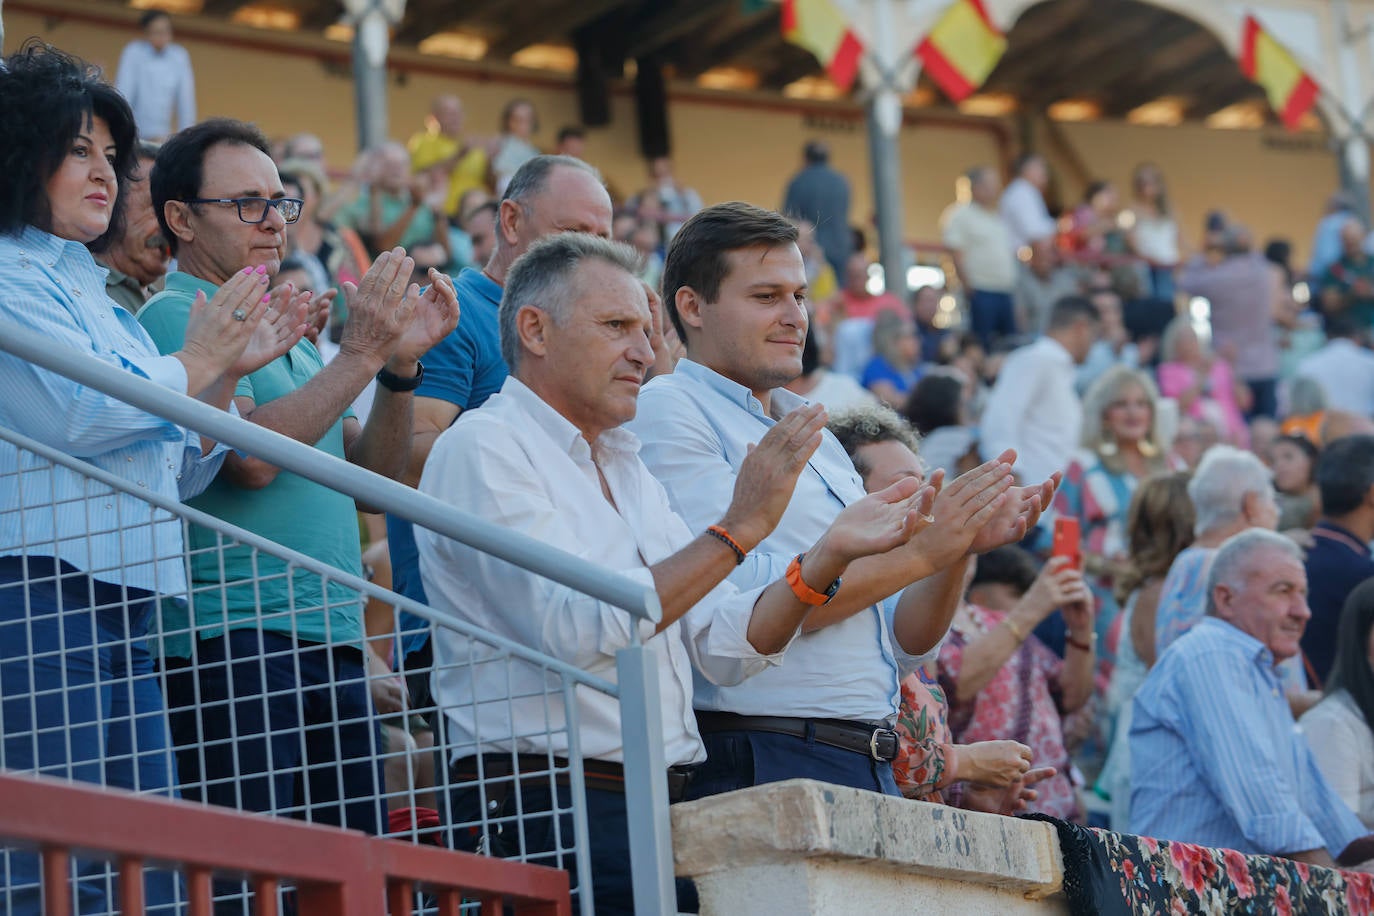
1343, 367
983, 257
1023, 204
155, 77
546, 457
735, 287
1034, 408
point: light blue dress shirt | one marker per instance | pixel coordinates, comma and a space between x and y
695, 427
157, 85
54, 286
1217, 759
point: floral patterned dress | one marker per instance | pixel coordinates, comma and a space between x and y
1019, 703
924, 751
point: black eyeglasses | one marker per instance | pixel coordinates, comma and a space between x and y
254, 209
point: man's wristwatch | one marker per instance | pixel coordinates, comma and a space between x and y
393, 382
805, 593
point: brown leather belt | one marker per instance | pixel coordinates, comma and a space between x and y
872, 739
535, 773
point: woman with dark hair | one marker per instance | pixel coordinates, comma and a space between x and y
1340, 728
82, 565
938, 409
1293, 459
1002, 682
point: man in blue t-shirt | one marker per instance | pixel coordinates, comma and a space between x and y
547, 195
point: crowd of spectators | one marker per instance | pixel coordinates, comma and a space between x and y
644, 380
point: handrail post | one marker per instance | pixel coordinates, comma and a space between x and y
646, 782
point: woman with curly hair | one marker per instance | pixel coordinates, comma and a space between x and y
82, 565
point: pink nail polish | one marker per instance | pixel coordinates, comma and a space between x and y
267, 297
247, 270
262, 268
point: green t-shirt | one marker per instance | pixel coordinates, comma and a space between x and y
292, 511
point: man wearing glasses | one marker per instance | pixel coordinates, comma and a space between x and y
266, 689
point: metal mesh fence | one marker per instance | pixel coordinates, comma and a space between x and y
257, 688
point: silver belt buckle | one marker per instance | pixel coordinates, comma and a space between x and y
873, 745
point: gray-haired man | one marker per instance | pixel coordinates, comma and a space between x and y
546, 457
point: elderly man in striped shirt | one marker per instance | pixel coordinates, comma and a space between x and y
1216, 757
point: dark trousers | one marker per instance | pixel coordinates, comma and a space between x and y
739, 759
1264, 394
265, 723
539, 835
79, 699
991, 315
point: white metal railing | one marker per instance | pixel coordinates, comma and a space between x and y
402, 768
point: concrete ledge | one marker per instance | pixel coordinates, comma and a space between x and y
805, 846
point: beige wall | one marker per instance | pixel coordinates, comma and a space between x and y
728, 148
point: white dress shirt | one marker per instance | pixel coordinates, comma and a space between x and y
1034, 409
157, 85
1343, 746
1023, 210
519, 463
1345, 370
697, 426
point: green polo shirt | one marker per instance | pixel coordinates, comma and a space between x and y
230, 583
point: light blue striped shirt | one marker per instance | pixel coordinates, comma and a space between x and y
695, 427
54, 286
1217, 759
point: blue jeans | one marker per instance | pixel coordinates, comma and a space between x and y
991, 316
739, 759
79, 699
264, 723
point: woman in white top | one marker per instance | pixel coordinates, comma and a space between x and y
1154, 232
1339, 728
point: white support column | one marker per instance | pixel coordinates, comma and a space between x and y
1349, 130
372, 21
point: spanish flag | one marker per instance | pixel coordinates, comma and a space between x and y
962, 49
1266, 62
819, 27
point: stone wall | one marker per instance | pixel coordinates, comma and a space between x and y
807, 847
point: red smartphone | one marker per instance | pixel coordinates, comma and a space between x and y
1067, 541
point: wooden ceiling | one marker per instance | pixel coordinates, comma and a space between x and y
1115, 54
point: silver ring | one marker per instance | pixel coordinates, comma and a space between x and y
239, 315
928, 519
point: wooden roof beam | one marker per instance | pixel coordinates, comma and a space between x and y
665, 27
1108, 63
1037, 25
424, 18
221, 7
1153, 82
762, 32
543, 24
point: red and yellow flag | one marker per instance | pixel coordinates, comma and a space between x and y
819, 27
962, 49
1266, 62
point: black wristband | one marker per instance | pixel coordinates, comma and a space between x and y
393, 382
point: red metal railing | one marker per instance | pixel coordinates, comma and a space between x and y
335, 872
